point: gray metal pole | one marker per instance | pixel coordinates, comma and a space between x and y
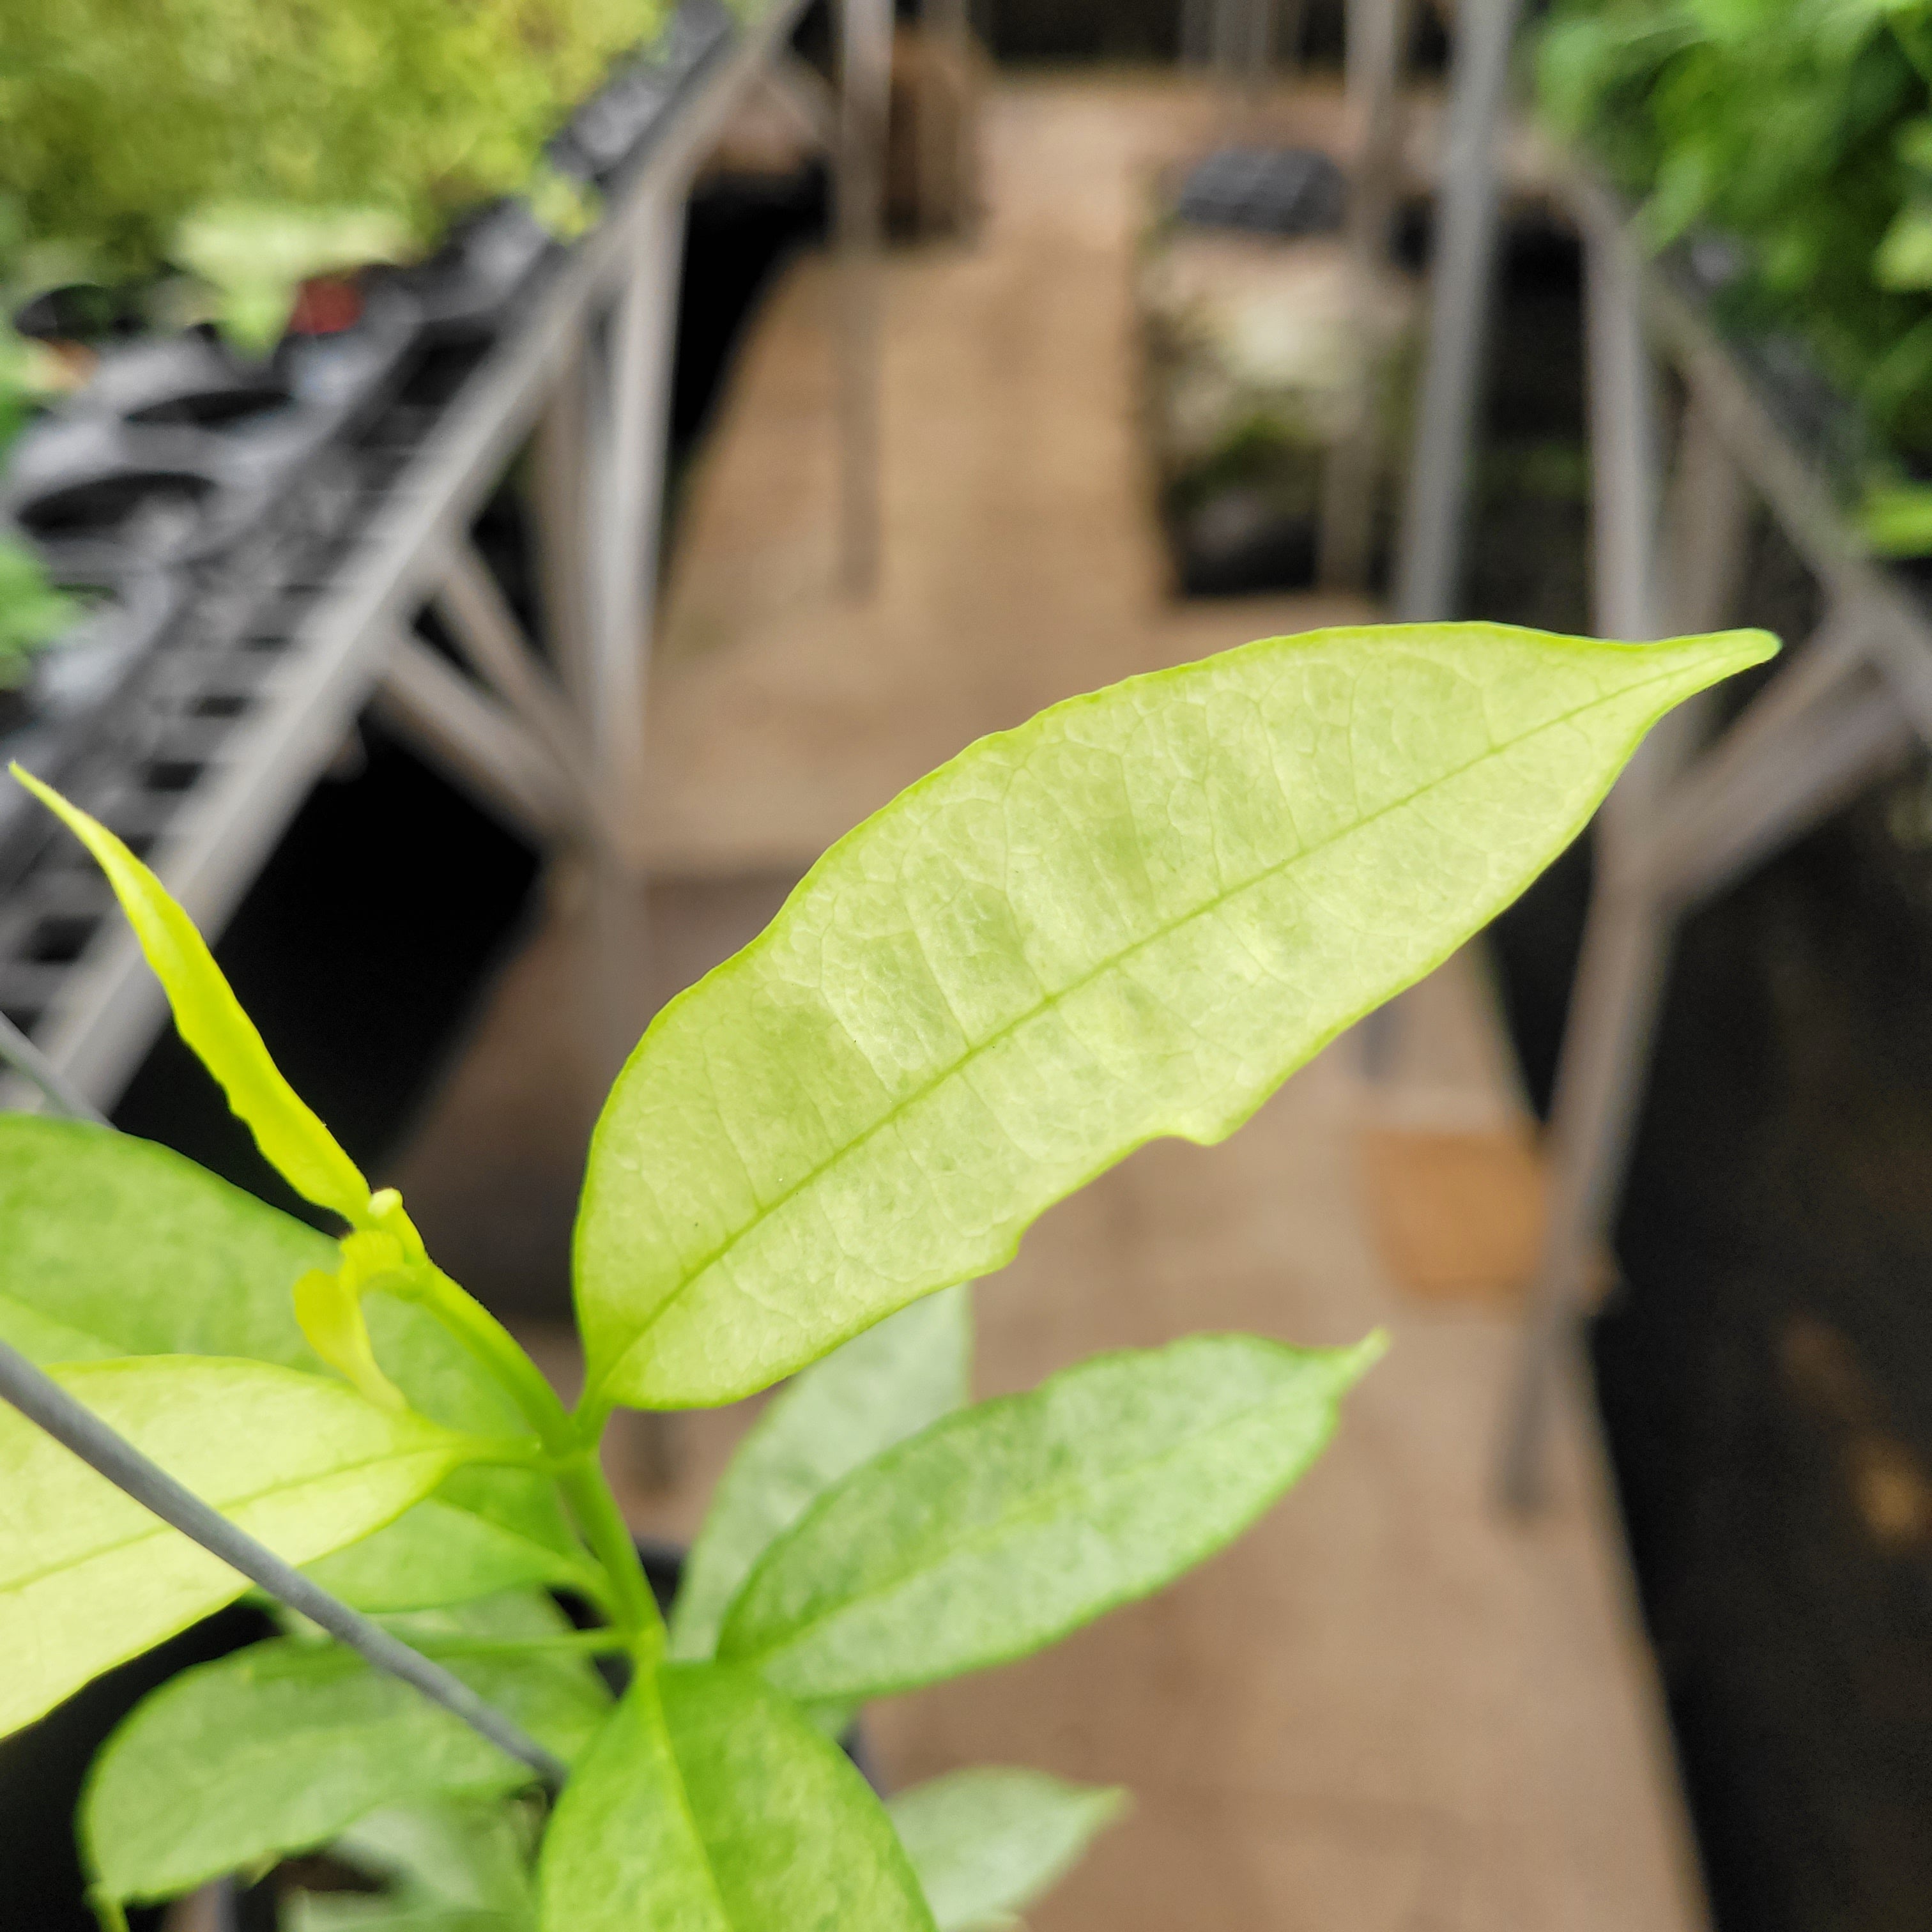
627, 453
1430, 567
1619, 975
1375, 32
42, 1400
865, 90
18, 1052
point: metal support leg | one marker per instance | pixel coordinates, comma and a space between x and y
1620, 974
626, 509
1708, 528
1375, 29
560, 475
1462, 272
865, 65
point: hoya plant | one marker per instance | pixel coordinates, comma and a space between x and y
1132, 916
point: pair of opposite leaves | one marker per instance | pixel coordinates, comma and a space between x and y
1133, 916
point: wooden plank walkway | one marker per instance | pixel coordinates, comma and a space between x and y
1387, 1710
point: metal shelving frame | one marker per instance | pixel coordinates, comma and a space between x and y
240, 729
1694, 811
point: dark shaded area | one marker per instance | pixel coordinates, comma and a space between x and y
41, 1768
1762, 1369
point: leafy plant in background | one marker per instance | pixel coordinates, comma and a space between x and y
33, 613
123, 128
1133, 916
1804, 129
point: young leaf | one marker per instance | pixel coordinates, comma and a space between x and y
280, 1746
707, 1803
210, 1018
1005, 1526
987, 1843
880, 1387
111, 1246
88, 1578
330, 1313
1133, 916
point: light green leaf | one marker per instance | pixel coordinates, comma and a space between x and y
436, 1554
329, 1312
293, 1140
880, 1387
708, 1804
1134, 916
279, 1747
88, 1577
987, 1843
1004, 1527
110, 1245
256, 255
132, 1250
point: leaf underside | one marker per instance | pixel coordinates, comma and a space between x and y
1132, 916
987, 1842
880, 1387
1001, 1529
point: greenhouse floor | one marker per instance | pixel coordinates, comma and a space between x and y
1387, 1707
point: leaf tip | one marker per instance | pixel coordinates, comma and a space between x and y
1352, 1364
1714, 656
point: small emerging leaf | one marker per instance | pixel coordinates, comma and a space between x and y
986, 1843
279, 1747
293, 1140
88, 1578
1003, 1528
880, 1387
706, 1804
330, 1312
1134, 916
111, 1246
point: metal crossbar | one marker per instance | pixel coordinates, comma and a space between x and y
1688, 821
257, 703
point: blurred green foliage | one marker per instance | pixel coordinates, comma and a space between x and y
1803, 128
120, 120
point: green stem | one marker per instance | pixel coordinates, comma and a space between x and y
595, 1642
579, 1475
498, 1350
635, 1609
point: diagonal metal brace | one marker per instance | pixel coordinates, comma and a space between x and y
42, 1400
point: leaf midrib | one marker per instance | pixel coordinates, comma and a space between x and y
1042, 1506
227, 1508
1050, 1001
